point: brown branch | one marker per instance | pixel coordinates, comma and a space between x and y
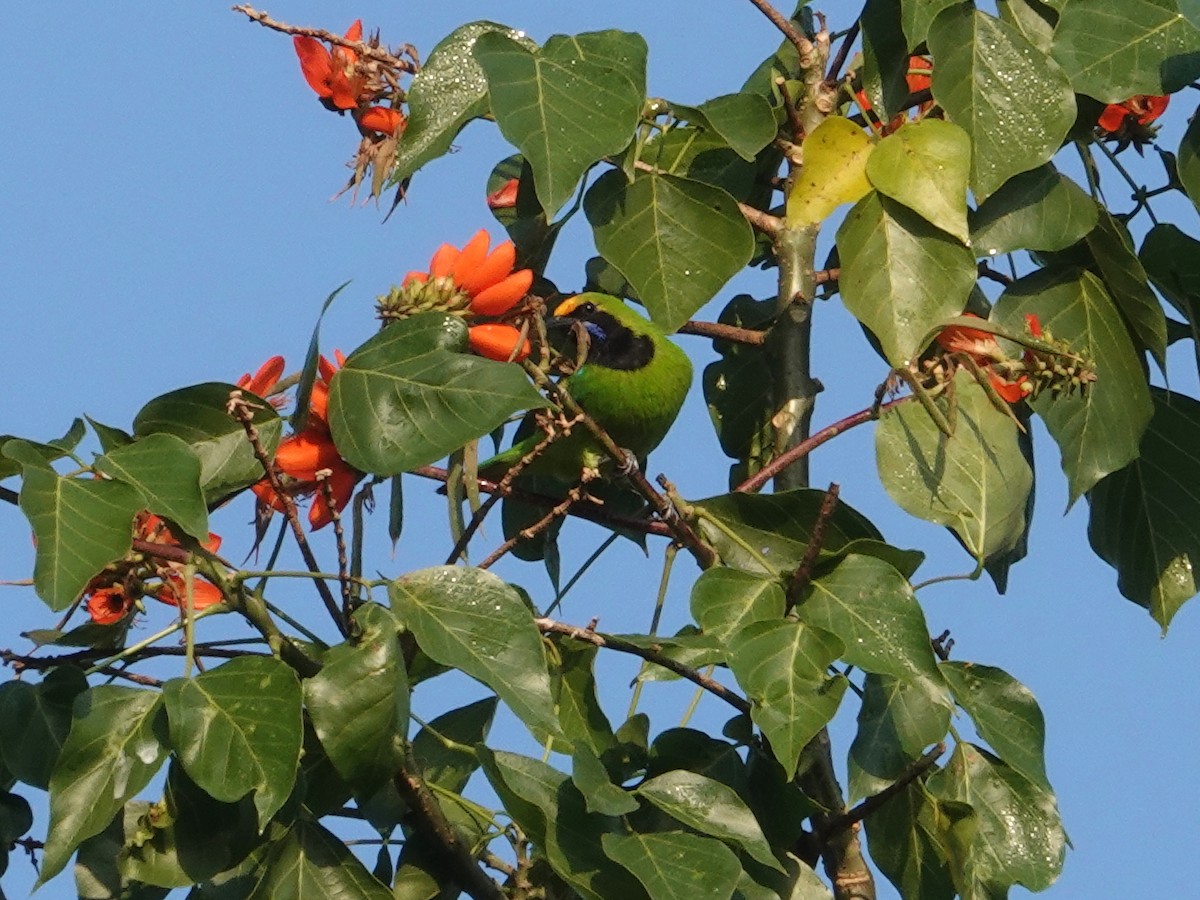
428, 820
240, 409
986, 271
339, 535
721, 332
875, 801
789, 107
765, 222
21, 662
559, 510
802, 44
808, 445
835, 68
9, 496
827, 276
803, 575
591, 636
361, 47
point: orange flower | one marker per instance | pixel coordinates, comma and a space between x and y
173, 592
332, 75
917, 81
504, 197
984, 350
109, 605
301, 456
1139, 110
498, 341
264, 379
383, 119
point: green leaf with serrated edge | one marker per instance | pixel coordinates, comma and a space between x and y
36, 720
49, 450
309, 371
198, 416
408, 397
448, 92
167, 474
908, 855
1188, 161
835, 172
770, 533
600, 794
311, 861
237, 728
780, 665
1145, 518
916, 17
1012, 99
566, 106
573, 682
1005, 714
450, 767
1172, 262
724, 599
871, 608
471, 620
1098, 432
925, 166
111, 753
975, 482
1112, 51
897, 721
1041, 209
1019, 838
1033, 18
900, 276
744, 122
677, 241
359, 701
1123, 275
711, 808
80, 524
674, 865
535, 795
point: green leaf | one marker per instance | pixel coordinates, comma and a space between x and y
312, 862
724, 600
1033, 18
711, 808
781, 667
209, 836
1041, 209
673, 865
976, 482
449, 91
36, 719
198, 416
897, 721
573, 682
675, 240
1097, 433
48, 451
450, 767
1188, 163
769, 534
311, 368
112, 751
924, 166
871, 608
1172, 262
900, 276
593, 781
905, 850
167, 474
743, 121
1013, 100
836, 154
1005, 713
1121, 270
110, 438
407, 397
885, 58
1145, 518
567, 106
80, 524
917, 15
237, 728
1112, 51
471, 620
699, 155
359, 702
1019, 838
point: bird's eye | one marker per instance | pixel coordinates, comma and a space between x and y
587, 308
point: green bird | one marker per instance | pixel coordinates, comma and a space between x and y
632, 383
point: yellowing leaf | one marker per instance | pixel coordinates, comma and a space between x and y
835, 171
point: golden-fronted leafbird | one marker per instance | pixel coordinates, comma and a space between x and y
632, 382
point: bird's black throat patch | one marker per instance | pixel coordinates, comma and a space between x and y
612, 345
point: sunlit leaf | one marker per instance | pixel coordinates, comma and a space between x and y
724, 600
925, 166
743, 121
835, 172
167, 474
1036, 210
674, 865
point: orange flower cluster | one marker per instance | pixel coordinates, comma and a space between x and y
302, 456
343, 82
1132, 121
473, 283
112, 594
918, 79
985, 350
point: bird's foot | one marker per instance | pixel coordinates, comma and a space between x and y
629, 464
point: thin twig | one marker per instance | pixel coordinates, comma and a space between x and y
802, 44
789, 107
573, 496
377, 53
721, 332
803, 575
835, 68
875, 801
21, 662
325, 486
591, 636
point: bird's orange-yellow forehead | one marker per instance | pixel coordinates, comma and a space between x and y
567, 307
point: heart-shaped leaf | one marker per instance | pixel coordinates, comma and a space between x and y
1037, 210
835, 172
925, 166
167, 474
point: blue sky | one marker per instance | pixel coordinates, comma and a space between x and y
166, 177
